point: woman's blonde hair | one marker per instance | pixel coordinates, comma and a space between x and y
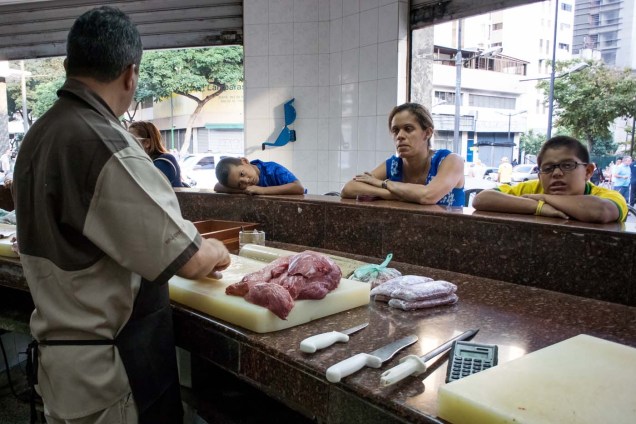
148, 131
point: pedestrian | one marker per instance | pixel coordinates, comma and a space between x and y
505, 171
100, 236
622, 177
632, 183
597, 175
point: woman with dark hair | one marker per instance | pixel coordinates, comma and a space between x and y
597, 175
150, 139
415, 173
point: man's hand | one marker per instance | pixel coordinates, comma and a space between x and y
552, 212
253, 189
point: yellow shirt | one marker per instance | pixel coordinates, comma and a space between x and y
535, 187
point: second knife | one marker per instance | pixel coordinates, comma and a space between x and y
321, 341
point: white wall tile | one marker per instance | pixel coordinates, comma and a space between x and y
255, 12
323, 70
256, 132
306, 102
388, 59
322, 187
335, 68
257, 71
368, 69
323, 135
368, 98
403, 20
281, 11
367, 133
383, 140
388, 23
382, 156
350, 99
305, 165
306, 70
281, 39
324, 37
324, 103
335, 35
311, 187
322, 158
334, 170
305, 11
281, 71
256, 40
256, 103
387, 95
335, 133
278, 96
350, 65
335, 9
335, 101
350, 7
306, 135
351, 32
385, 2
323, 10
306, 38
366, 162
368, 4
369, 22
350, 133
348, 165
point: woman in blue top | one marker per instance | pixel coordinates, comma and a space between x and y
150, 139
416, 173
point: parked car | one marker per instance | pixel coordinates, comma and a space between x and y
491, 174
198, 170
525, 172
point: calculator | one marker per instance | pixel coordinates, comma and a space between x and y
467, 358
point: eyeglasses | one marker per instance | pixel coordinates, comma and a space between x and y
565, 166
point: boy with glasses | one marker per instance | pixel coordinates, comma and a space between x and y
562, 190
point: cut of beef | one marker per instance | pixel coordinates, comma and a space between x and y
306, 275
271, 296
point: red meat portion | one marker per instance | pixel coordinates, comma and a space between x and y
306, 275
271, 296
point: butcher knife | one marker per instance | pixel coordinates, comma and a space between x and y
323, 340
373, 359
415, 365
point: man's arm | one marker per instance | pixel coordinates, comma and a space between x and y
211, 258
496, 201
291, 188
220, 188
581, 207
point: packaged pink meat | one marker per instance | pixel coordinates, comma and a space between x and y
421, 304
414, 287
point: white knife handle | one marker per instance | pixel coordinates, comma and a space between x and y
409, 365
321, 341
350, 365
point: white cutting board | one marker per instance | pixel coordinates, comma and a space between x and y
208, 296
578, 381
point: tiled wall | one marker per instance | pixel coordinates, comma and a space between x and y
345, 62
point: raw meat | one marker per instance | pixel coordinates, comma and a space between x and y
271, 296
413, 288
306, 275
420, 304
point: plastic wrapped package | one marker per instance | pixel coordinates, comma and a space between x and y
376, 274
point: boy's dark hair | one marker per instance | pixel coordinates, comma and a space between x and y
223, 168
101, 44
579, 149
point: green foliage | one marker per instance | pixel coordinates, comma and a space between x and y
531, 143
588, 101
46, 75
185, 71
604, 147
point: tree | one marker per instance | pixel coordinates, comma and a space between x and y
47, 72
531, 143
188, 73
588, 101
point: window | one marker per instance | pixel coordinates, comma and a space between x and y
492, 102
564, 27
443, 140
566, 7
496, 27
496, 44
563, 46
595, 20
445, 97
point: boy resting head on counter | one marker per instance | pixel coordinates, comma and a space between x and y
238, 175
563, 189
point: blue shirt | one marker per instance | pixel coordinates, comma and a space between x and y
273, 174
168, 165
623, 171
394, 172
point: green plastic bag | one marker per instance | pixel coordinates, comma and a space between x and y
376, 274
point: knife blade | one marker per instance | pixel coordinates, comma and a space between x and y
373, 359
415, 365
323, 340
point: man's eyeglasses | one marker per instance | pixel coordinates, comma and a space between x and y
565, 166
